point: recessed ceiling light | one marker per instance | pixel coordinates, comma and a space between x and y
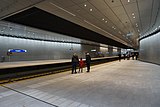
85, 5
128, 0
133, 14
90, 9
103, 19
134, 17
106, 21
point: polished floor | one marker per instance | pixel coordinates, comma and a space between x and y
128, 83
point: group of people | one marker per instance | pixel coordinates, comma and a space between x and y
128, 55
76, 62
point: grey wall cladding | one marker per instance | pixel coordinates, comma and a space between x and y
40, 44
37, 50
149, 49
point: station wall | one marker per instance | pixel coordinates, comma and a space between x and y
149, 49
43, 45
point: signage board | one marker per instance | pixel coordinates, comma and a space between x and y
17, 50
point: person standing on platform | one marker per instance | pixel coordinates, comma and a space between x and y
132, 55
119, 57
81, 65
88, 62
75, 62
137, 55
124, 56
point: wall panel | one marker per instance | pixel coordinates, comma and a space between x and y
49, 45
149, 49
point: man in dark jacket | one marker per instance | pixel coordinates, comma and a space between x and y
119, 57
75, 62
88, 62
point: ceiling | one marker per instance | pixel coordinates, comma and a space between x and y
124, 21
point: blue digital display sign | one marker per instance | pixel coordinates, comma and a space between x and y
17, 50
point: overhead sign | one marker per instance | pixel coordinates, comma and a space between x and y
17, 50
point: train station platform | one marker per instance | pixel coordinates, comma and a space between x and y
17, 64
129, 83
9, 71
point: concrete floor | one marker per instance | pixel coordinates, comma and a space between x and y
128, 83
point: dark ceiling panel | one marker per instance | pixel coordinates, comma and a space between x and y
38, 18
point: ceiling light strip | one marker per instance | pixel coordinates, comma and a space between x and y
105, 32
92, 24
62, 9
